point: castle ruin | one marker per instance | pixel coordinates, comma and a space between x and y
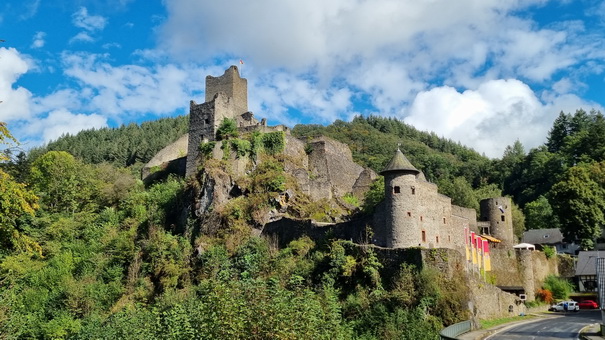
414, 214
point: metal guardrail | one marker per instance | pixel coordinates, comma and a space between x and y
451, 332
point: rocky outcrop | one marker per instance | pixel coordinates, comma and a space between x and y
327, 170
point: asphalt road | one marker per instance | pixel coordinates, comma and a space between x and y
567, 326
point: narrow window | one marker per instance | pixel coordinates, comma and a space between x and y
420, 218
444, 220
413, 190
436, 239
502, 217
423, 236
207, 121
409, 214
449, 239
396, 190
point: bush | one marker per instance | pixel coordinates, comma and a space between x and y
206, 149
227, 129
560, 287
549, 251
545, 295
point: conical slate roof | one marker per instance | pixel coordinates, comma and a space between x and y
399, 163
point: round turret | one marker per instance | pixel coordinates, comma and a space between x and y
401, 203
497, 211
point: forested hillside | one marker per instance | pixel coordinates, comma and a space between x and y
88, 252
124, 146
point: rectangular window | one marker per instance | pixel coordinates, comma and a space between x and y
420, 218
413, 190
396, 190
502, 217
436, 239
409, 214
444, 220
423, 236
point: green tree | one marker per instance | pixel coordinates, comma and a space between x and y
539, 214
557, 134
579, 201
461, 192
518, 221
63, 183
16, 201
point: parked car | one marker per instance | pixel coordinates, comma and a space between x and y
588, 304
572, 306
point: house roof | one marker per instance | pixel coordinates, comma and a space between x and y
586, 264
399, 163
543, 236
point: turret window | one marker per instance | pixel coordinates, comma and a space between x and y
413, 190
396, 190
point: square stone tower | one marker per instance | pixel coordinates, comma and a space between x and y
232, 85
226, 97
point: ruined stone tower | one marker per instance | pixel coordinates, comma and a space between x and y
400, 229
231, 85
497, 211
226, 97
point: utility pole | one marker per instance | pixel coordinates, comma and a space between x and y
600, 264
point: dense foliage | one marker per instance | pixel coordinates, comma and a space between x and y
124, 146
561, 184
88, 252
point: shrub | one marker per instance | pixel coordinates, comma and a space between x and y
351, 199
560, 287
545, 295
206, 149
274, 142
549, 251
227, 129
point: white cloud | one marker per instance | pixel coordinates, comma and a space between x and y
15, 101
60, 122
492, 116
423, 61
31, 8
38, 40
130, 89
90, 23
81, 37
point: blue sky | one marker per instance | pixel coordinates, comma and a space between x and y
482, 72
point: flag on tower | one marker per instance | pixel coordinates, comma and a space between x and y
241, 62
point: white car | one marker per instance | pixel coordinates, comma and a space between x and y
572, 306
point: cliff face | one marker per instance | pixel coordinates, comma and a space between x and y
321, 170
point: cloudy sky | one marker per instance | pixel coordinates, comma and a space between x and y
482, 72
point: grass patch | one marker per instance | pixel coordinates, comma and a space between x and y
485, 324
